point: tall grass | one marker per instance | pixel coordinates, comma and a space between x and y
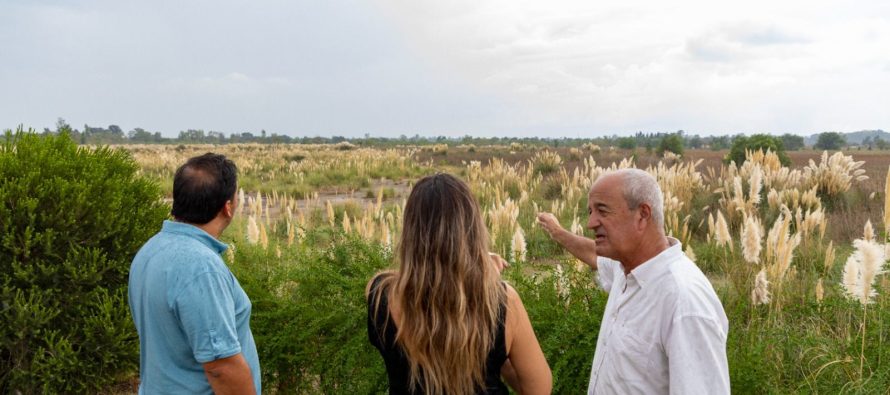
758, 230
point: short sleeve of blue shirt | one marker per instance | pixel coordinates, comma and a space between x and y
206, 311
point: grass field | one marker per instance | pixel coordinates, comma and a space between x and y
317, 221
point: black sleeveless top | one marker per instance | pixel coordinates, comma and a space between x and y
397, 368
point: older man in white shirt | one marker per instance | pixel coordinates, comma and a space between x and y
664, 329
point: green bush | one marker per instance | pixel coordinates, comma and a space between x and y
309, 314
672, 143
71, 220
627, 143
792, 142
830, 141
566, 316
756, 142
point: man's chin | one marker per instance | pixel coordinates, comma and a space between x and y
605, 252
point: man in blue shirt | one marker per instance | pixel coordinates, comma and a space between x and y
192, 316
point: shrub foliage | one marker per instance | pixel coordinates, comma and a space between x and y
753, 143
71, 220
672, 143
830, 141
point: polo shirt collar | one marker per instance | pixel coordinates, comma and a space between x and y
656, 266
195, 233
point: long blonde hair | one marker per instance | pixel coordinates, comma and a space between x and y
447, 288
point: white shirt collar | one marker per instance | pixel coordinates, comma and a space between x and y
656, 266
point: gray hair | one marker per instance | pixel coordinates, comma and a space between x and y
641, 187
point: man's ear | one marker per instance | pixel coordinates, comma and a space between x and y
645, 215
229, 208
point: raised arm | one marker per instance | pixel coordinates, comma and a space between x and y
581, 247
526, 369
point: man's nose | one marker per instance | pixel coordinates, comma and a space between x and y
593, 221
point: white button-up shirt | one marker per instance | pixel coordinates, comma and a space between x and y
663, 330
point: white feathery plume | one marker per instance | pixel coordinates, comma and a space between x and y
756, 183
330, 210
576, 227
851, 276
264, 238
241, 201
752, 234
253, 231
517, 245
562, 283
773, 199
887, 203
347, 225
829, 256
712, 227
760, 293
722, 235
690, 253
385, 235
872, 259
868, 233
820, 291
861, 269
230, 253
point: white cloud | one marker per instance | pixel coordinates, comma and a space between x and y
490, 67
621, 66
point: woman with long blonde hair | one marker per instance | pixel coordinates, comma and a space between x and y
444, 322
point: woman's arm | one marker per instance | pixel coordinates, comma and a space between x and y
526, 369
509, 375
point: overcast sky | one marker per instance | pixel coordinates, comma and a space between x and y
500, 67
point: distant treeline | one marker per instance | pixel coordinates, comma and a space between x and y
113, 134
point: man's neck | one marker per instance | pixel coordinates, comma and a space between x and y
214, 228
645, 253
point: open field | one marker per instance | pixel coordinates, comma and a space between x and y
317, 221
315, 174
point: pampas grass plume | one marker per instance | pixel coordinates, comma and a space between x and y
861, 269
264, 238
829, 256
518, 245
872, 259
887, 203
868, 233
241, 201
760, 293
752, 234
576, 227
820, 291
722, 235
347, 224
690, 253
330, 211
253, 231
756, 183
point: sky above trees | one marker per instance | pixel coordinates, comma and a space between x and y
485, 68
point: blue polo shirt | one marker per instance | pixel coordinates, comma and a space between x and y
189, 310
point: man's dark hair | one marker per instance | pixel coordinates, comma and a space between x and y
202, 186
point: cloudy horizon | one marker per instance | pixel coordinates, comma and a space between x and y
490, 68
